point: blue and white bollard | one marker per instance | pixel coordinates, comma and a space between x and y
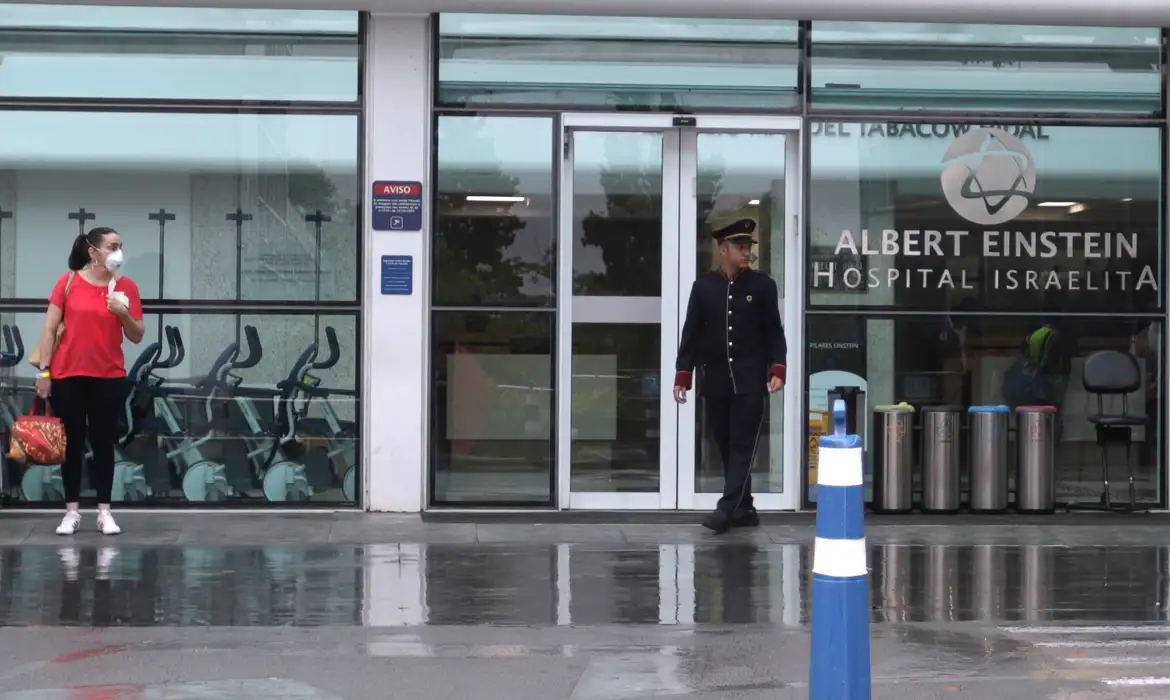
839, 668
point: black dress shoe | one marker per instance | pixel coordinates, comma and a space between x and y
717, 522
745, 517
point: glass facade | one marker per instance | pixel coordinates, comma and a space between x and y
613, 63
985, 68
937, 250
156, 54
223, 145
962, 187
493, 327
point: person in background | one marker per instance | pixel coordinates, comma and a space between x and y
734, 335
1041, 374
85, 377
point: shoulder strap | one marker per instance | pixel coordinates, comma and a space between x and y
68, 284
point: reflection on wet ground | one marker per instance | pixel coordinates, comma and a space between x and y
734, 582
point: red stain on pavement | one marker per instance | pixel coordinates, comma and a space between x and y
86, 654
106, 692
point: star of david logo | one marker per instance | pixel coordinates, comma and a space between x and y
988, 176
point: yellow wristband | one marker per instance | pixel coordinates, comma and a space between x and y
43, 375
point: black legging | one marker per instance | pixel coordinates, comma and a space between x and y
89, 407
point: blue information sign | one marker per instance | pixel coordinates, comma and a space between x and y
398, 275
397, 206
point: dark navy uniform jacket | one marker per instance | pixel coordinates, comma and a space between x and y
732, 334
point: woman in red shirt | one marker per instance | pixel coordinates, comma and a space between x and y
87, 376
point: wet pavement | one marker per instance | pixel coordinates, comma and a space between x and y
347, 607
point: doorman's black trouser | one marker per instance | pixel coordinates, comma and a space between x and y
736, 422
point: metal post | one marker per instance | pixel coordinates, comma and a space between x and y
239, 216
317, 218
840, 664
4, 214
162, 216
81, 216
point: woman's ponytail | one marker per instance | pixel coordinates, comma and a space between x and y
79, 254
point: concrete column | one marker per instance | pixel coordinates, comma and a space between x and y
396, 328
8, 200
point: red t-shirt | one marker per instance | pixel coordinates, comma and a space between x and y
92, 343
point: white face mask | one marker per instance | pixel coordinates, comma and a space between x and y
114, 261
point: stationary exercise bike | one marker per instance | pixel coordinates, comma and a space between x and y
279, 476
130, 482
10, 410
202, 479
268, 455
208, 479
222, 384
40, 482
331, 459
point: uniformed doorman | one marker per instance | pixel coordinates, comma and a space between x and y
734, 336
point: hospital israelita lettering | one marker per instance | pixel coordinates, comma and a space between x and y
987, 178
1071, 245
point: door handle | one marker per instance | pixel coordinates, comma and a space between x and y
796, 225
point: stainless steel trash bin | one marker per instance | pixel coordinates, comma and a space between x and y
1035, 459
893, 458
989, 458
940, 459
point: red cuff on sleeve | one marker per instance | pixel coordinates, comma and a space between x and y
683, 379
779, 371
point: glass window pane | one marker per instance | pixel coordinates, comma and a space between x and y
969, 359
316, 460
617, 61
495, 241
177, 199
616, 426
492, 407
980, 67
202, 19
617, 213
741, 176
1022, 218
106, 53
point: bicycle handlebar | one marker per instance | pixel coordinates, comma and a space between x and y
255, 350
19, 342
13, 351
177, 353
334, 350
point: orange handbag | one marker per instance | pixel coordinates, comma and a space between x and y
38, 439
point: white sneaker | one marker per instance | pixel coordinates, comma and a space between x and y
106, 524
105, 557
70, 523
70, 561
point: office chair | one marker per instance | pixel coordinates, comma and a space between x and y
1112, 373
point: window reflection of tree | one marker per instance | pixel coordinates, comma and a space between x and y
628, 232
475, 258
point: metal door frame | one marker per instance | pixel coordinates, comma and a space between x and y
679, 250
791, 312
